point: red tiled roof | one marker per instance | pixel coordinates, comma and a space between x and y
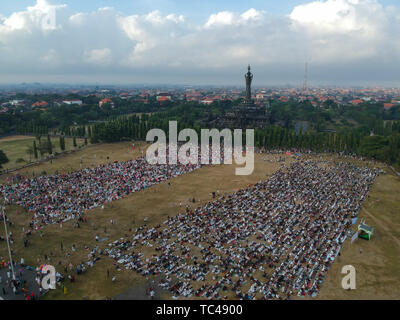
163, 98
356, 101
40, 104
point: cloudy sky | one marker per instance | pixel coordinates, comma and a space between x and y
346, 42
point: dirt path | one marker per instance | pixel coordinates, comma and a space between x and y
12, 138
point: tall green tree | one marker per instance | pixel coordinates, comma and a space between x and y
62, 143
3, 158
29, 151
35, 151
49, 145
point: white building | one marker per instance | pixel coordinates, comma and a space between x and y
74, 101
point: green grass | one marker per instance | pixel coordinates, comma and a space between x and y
16, 150
378, 275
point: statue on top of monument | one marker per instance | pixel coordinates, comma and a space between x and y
249, 77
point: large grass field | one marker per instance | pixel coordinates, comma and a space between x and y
377, 265
16, 147
378, 275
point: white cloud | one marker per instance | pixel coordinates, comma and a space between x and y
220, 18
98, 56
150, 33
333, 35
50, 57
36, 18
345, 30
340, 16
251, 14
77, 18
226, 18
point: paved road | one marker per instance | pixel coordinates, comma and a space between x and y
27, 275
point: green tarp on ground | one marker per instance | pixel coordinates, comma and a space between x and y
365, 231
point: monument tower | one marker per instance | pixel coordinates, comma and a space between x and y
249, 78
247, 114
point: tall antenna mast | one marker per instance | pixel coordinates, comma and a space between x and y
305, 82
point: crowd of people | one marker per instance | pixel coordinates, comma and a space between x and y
61, 197
17, 284
273, 240
27, 280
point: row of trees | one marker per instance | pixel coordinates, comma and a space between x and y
32, 127
71, 119
77, 131
41, 121
278, 137
46, 146
351, 141
365, 130
332, 116
384, 148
